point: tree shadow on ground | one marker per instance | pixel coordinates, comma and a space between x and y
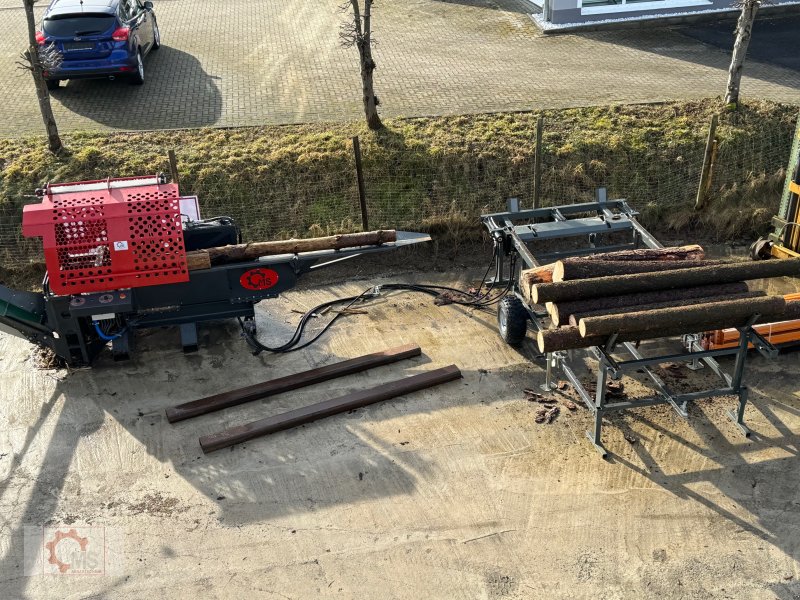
774, 38
675, 46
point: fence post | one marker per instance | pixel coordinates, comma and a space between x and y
362, 195
173, 166
709, 158
537, 164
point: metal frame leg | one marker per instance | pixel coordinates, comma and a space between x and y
599, 410
551, 360
122, 346
738, 416
736, 381
189, 337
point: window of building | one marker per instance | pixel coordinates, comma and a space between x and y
595, 7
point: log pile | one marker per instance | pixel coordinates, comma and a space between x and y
651, 293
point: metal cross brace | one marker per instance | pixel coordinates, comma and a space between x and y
610, 367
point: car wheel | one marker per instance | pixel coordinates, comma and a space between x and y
138, 76
156, 36
53, 84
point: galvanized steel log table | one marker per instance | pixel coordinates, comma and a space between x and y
585, 229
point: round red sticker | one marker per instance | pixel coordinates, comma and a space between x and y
258, 279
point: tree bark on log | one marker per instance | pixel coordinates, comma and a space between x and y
202, 259
665, 280
579, 268
197, 260
697, 318
792, 309
690, 252
569, 338
544, 273
575, 318
565, 338
560, 313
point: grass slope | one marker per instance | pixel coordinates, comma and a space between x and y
438, 173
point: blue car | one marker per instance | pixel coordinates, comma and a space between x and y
99, 38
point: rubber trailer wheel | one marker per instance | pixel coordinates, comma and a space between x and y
761, 249
512, 320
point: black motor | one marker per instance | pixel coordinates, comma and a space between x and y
210, 233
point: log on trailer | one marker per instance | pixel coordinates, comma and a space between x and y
665, 280
569, 338
580, 268
574, 318
690, 252
777, 332
544, 273
691, 318
293, 418
295, 381
560, 312
204, 259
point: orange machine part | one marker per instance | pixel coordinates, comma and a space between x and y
781, 332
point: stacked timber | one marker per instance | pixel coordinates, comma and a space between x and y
642, 294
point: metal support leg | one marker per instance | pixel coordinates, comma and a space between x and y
736, 381
738, 416
121, 347
599, 409
551, 358
189, 337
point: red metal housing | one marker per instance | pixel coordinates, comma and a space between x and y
110, 234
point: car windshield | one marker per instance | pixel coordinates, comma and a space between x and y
76, 26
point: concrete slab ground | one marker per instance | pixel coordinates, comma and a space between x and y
241, 63
453, 492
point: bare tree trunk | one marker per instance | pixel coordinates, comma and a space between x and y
744, 30
367, 67
32, 56
362, 39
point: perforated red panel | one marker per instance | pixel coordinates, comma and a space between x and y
112, 238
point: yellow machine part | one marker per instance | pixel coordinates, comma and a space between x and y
794, 239
781, 252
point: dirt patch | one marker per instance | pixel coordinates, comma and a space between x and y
157, 505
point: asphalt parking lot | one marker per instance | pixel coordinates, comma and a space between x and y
774, 39
243, 63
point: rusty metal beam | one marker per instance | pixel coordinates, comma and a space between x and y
300, 416
272, 387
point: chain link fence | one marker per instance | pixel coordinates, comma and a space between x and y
440, 175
